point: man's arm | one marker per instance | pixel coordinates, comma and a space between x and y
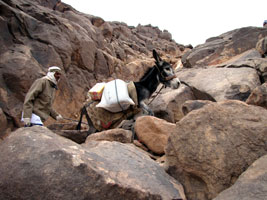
54, 114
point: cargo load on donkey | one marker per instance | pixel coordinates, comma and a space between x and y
100, 119
108, 114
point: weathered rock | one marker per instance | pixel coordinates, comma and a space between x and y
140, 145
258, 96
191, 105
136, 169
15, 65
252, 184
219, 49
3, 122
68, 130
168, 106
34, 36
78, 136
136, 68
107, 30
245, 59
261, 46
97, 21
153, 132
250, 59
63, 126
143, 149
222, 83
162, 162
211, 146
199, 94
261, 66
38, 164
118, 134
165, 35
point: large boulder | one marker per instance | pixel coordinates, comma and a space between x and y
258, 96
191, 105
219, 49
38, 164
261, 46
223, 83
252, 184
251, 59
117, 134
211, 146
68, 130
167, 105
153, 132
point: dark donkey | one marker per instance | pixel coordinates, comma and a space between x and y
161, 72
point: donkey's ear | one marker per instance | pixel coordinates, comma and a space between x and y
156, 56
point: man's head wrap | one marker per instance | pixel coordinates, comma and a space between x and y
51, 72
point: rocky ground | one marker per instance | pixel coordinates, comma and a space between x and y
207, 140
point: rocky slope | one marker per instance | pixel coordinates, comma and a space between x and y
209, 135
90, 50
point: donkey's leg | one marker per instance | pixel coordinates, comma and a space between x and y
92, 129
146, 108
81, 118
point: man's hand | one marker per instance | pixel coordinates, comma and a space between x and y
59, 117
27, 122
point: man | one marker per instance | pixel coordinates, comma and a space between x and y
265, 23
37, 105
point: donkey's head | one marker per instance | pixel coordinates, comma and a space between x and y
166, 73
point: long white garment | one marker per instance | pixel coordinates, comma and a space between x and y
35, 119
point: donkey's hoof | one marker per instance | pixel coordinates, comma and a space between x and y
150, 113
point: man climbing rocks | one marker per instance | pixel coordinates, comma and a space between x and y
37, 105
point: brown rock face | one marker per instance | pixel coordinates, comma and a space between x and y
213, 145
223, 83
191, 105
153, 132
168, 105
219, 49
258, 96
34, 37
38, 164
208, 148
119, 135
3, 122
252, 184
262, 46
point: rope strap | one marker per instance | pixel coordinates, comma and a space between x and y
117, 96
156, 95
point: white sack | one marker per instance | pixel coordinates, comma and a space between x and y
115, 96
35, 119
